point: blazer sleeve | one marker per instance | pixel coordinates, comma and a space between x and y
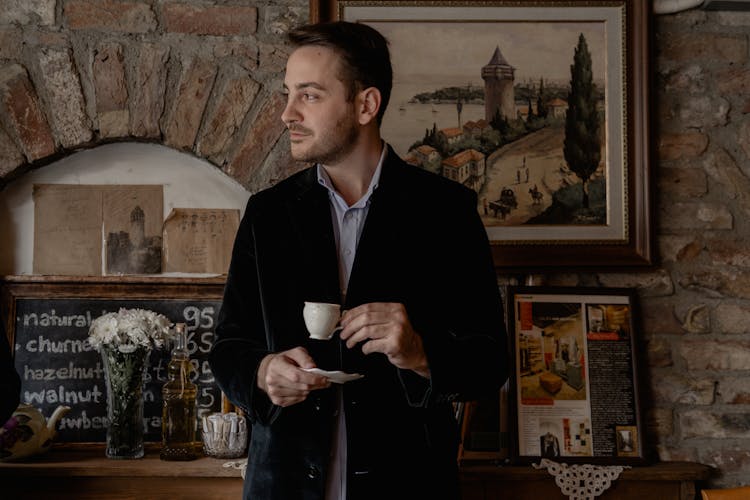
240, 339
466, 342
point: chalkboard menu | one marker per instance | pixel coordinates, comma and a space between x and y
48, 321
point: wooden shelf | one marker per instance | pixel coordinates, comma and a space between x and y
93, 463
660, 481
85, 473
662, 471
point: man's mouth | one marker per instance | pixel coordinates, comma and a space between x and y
297, 136
298, 133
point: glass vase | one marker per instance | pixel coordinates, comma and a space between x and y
124, 373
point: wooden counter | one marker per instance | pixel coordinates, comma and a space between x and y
88, 474
661, 481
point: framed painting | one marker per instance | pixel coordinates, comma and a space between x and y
541, 107
574, 380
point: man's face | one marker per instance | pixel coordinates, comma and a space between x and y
322, 125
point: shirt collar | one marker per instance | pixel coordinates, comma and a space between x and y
325, 181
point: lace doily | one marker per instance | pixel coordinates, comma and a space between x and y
582, 482
240, 464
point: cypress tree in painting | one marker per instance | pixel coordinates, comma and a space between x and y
499, 122
582, 145
541, 102
530, 115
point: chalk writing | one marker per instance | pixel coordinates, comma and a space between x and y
69, 372
57, 364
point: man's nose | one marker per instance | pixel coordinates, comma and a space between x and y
290, 114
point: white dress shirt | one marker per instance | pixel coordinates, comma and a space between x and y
348, 222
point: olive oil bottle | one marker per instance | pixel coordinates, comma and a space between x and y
178, 418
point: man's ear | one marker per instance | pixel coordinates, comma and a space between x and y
369, 105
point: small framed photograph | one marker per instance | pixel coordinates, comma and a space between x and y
484, 429
574, 381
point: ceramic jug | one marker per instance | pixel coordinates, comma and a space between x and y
27, 433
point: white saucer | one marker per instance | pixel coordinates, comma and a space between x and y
336, 376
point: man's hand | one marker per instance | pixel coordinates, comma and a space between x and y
385, 327
282, 377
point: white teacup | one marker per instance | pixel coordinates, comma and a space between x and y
321, 319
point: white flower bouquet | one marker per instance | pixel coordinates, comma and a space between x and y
125, 340
129, 329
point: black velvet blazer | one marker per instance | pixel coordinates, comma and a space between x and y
423, 245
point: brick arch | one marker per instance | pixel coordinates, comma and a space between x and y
195, 78
37, 130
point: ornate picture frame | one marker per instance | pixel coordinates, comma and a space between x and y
542, 207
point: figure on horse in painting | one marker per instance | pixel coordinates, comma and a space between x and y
536, 195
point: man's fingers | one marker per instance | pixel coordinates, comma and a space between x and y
299, 357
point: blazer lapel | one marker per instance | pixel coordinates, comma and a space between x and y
318, 279
372, 263
376, 273
310, 214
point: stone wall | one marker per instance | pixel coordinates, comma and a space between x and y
696, 307
196, 76
203, 77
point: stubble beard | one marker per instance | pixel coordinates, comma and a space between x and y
333, 145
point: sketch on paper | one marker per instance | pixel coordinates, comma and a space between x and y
133, 218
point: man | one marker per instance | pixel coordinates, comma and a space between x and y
550, 445
405, 253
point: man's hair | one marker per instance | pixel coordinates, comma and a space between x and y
365, 59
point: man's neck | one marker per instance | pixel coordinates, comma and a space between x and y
351, 177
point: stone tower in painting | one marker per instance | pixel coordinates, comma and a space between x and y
498, 78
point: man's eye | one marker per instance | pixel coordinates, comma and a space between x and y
310, 97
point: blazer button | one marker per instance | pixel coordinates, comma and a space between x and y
313, 472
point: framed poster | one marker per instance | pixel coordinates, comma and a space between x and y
574, 378
482, 94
